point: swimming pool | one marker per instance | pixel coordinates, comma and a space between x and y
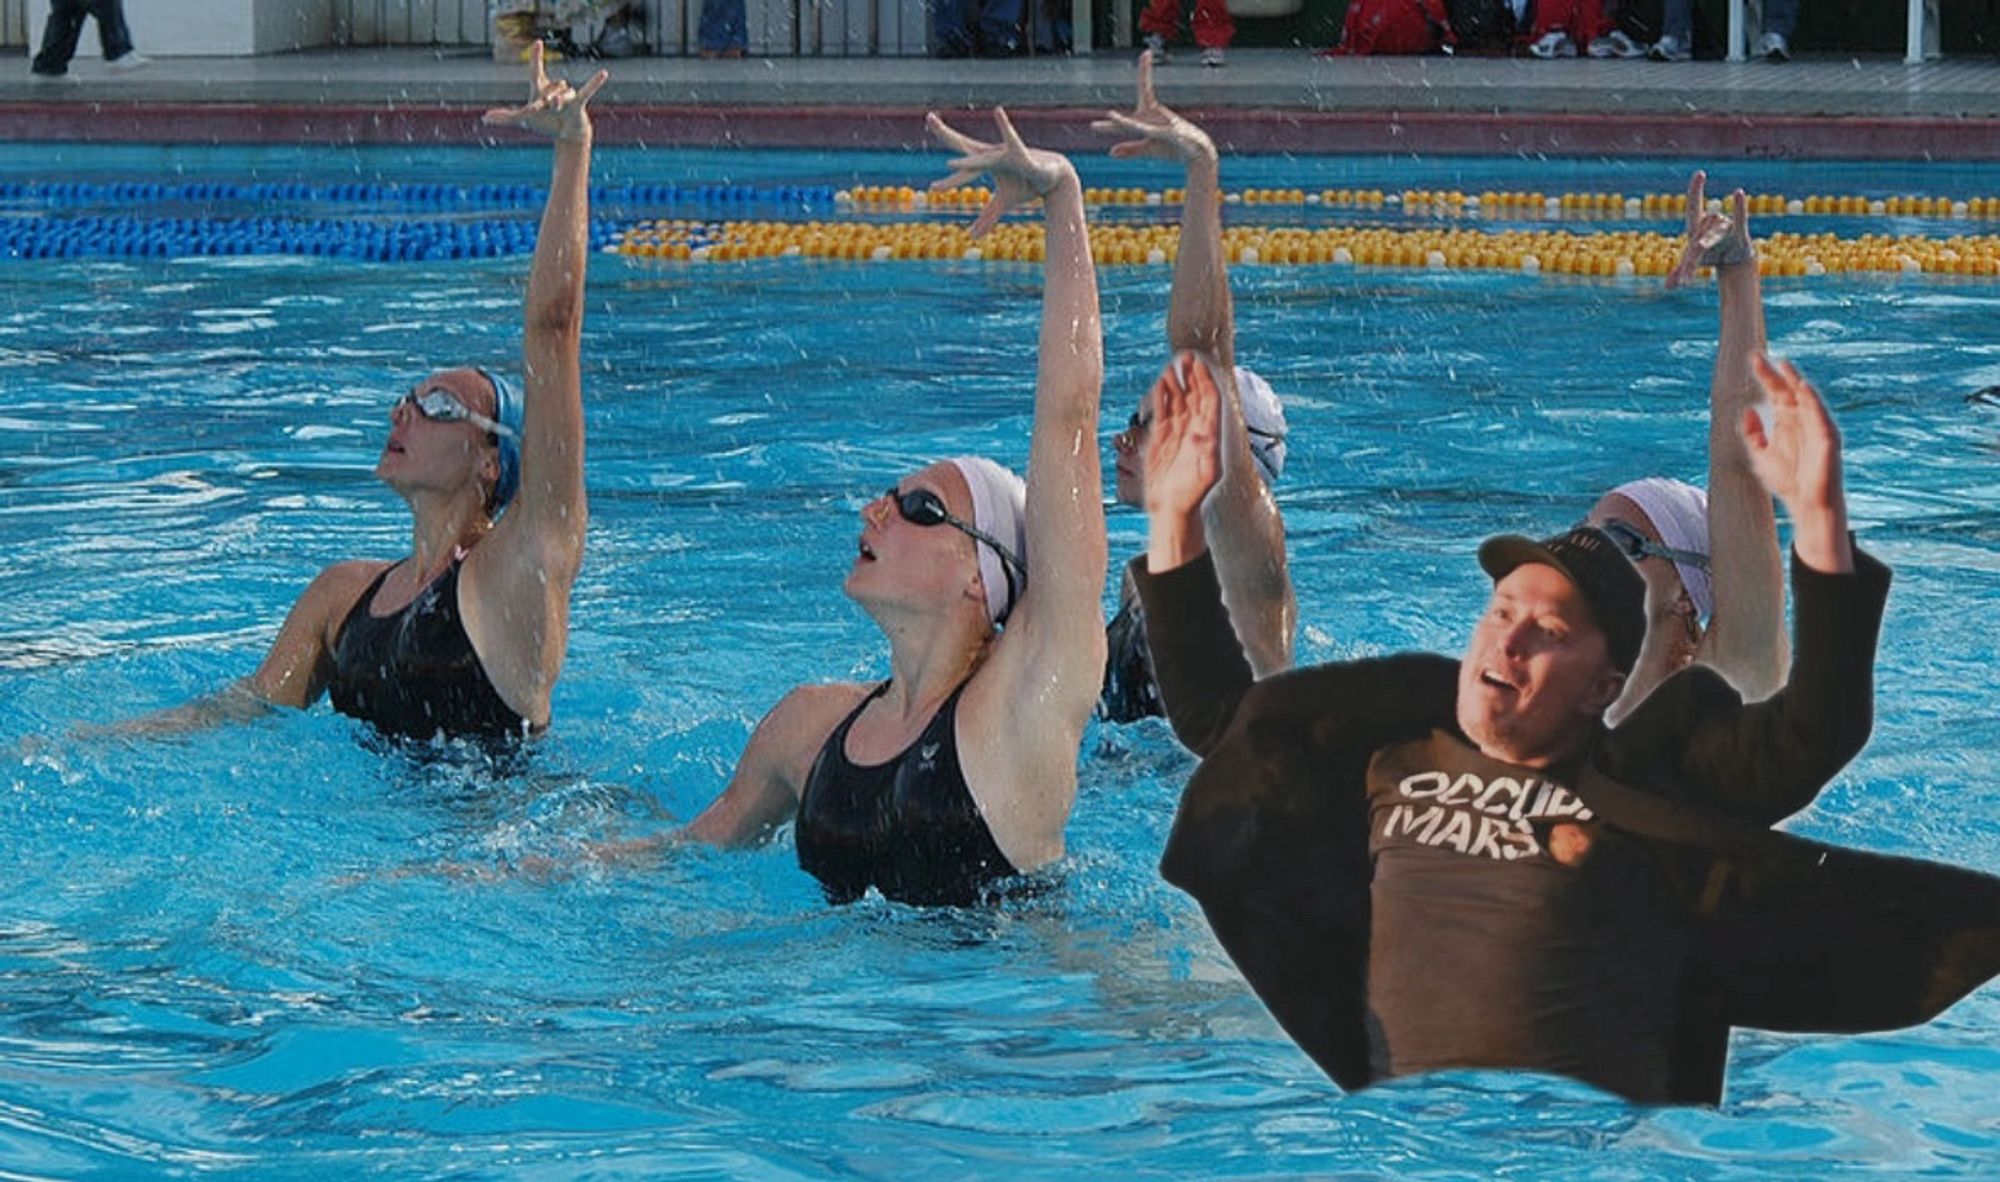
215, 960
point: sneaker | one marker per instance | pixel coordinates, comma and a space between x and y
1213, 57
132, 60
58, 79
1553, 45
1158, 45
1670, 49
1772, 47
1615, 44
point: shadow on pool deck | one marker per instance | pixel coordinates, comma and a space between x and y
1264, 100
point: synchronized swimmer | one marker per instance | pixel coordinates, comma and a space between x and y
1555, 852
465, 636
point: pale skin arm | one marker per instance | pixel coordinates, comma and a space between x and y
762, 794
514, 591
1746, 640
1797, 457
771, 773
293, 673
1022, 717
1242, 520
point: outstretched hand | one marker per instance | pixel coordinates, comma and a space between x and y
1161, 132
1183, 447
554, 107
1714, 239
1797, 457
1020, 173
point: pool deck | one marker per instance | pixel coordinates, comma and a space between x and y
1265, 100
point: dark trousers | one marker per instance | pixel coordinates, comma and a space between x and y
66, 24
964, 28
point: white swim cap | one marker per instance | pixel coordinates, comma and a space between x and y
1265, 416
1679, 513
1000, 511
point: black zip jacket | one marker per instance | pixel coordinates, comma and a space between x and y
1788, 934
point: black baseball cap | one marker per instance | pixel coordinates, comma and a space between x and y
1614, 591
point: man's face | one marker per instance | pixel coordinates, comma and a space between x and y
1537, 676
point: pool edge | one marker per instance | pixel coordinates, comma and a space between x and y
1236, 130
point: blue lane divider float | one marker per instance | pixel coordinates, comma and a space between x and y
804, 200
183, 237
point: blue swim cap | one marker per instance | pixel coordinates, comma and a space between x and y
507, 410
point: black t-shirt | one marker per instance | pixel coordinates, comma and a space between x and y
1510, 929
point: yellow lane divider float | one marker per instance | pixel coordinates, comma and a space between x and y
1560, 252
1453, 203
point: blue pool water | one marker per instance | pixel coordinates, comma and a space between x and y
231, 956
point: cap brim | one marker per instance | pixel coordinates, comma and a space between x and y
1500, 556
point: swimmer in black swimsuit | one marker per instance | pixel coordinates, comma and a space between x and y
960, 770
1245, 531
466, 635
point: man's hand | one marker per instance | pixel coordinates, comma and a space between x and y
1183, 448
1797, 457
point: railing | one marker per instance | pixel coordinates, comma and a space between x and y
13, 24
1921, 42
411, 22
811, 28
776, 28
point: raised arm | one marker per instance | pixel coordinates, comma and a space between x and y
1767, 760
1746, 639
516, 591
1244, 526
1199, 315
1043, 675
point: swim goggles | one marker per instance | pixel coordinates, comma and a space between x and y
440, 405
921, 506
1635, 545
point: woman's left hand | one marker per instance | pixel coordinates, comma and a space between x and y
1020, 173
1159, 131
554, 107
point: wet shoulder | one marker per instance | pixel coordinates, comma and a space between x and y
802, 721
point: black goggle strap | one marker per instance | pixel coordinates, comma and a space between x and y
1636, 545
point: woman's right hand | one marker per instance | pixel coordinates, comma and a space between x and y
554, 107
1714, 239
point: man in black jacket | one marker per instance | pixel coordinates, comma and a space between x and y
1423, 864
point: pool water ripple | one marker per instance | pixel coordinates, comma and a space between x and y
286, 949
